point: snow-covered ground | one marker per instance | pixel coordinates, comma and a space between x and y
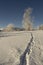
13, 44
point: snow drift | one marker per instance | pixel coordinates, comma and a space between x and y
14, 45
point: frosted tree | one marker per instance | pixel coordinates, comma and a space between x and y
10, 27
27, 19
41, 27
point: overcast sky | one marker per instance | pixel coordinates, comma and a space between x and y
11, 11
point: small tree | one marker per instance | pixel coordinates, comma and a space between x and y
10, 27
41, 27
